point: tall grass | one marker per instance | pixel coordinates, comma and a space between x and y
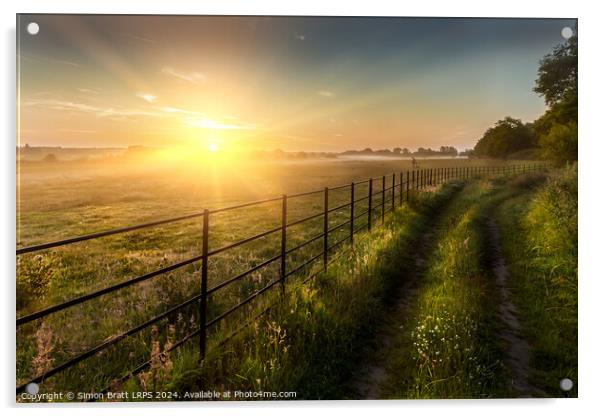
539, 237
309, 343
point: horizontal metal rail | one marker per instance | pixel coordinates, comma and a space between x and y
100, 234
348, 204
244, 241
341, 241
336, 227
113, 340
147, 363
245, 205
300, 194
361, 199
361, 214
243, 274
311, 217
304, 264
305, 243
58, 307
242, 303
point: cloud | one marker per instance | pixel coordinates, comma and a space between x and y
188, 117
196, 78
300, 36
49, 60
81, 131
326, 93
110, 112
88, 91
201, 121
141, 38
178, 110
147, 97
206, 123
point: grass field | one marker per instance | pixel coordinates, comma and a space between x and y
58, 200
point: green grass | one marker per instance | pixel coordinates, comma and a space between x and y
311, 341
62, 200
539, 237
447, 347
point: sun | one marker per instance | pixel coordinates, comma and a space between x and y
212, 147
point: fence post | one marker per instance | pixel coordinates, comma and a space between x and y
352, 209
393, 193
408, 184
401, 188
383, 201
283, 245
325, 228
370, 204
204, 274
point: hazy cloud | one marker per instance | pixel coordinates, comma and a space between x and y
140, 38
82, 131
206, 123
50, 60
147, 97
326, 93
300, 36
112, 112
88, 91
196, 78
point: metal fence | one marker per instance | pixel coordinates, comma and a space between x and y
402, 184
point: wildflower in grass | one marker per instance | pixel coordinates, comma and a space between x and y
43, 360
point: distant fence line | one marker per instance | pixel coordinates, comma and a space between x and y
400, 189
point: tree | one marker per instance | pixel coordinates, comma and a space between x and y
557, 74
397, 150
508, 136
448, 150
560, 142
405, 151
556, 130
50, 157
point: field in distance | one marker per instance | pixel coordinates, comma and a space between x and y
61, 199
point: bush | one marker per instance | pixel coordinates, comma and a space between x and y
560, 143
34, 276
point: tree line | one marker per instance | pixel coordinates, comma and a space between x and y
552, 136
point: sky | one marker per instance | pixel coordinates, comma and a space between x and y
293, 83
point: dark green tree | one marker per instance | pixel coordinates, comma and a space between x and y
507, 136
556, 130
557, 74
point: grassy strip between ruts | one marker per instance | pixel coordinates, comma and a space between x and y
309, 343
447, 345
539, 240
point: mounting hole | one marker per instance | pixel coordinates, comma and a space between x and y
566, 384
32, 388
33, 28
566, 32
